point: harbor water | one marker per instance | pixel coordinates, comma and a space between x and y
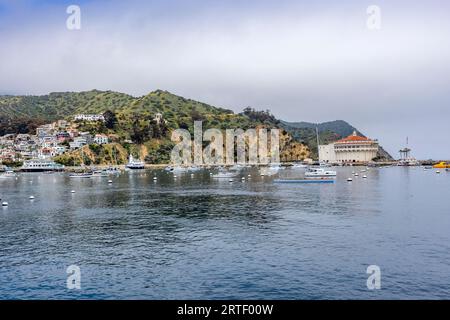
195, 237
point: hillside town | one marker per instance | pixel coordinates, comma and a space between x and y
50, 140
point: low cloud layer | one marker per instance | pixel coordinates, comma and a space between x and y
304, 62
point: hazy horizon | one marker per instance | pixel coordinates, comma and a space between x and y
313, 62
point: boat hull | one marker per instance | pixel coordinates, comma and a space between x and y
40, 170
304, 181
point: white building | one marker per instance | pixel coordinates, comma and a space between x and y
90, 117
44, 130
58, 150
350, 149
78, 142
87, 136
101, 139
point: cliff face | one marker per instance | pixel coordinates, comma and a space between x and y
383, 155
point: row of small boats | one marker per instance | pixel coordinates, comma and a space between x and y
96, 173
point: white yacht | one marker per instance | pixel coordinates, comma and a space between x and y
8, 174
81, 175
40, 165
319, 173
99, 173
135, 163
224, 174
299, 165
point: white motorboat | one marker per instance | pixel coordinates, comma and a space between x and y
299, 166
319, 173
224, 174
135, 163
99, 173
81, 175
8, 174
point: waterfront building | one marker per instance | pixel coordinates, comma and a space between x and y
353, 148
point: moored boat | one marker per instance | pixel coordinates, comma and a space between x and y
8, 174
135, 163
299, 165
99, 173
40, 165
319, 173
81, 175
409, 162
323, 180
224, 174
112, 170
442, 165
176, 169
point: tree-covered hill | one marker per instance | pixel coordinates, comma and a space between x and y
134, 119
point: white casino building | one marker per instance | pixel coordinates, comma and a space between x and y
351, 149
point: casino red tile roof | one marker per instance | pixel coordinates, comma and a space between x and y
354, 138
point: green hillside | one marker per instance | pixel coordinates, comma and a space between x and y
134, 120
60, 105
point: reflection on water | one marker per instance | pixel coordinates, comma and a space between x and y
195, 237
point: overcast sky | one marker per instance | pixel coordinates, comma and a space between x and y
305, 62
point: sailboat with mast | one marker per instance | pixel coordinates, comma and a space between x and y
319, 173
113, 169
85, 173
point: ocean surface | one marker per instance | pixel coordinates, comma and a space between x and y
195, 237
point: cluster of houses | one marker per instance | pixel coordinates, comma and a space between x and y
49, 141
